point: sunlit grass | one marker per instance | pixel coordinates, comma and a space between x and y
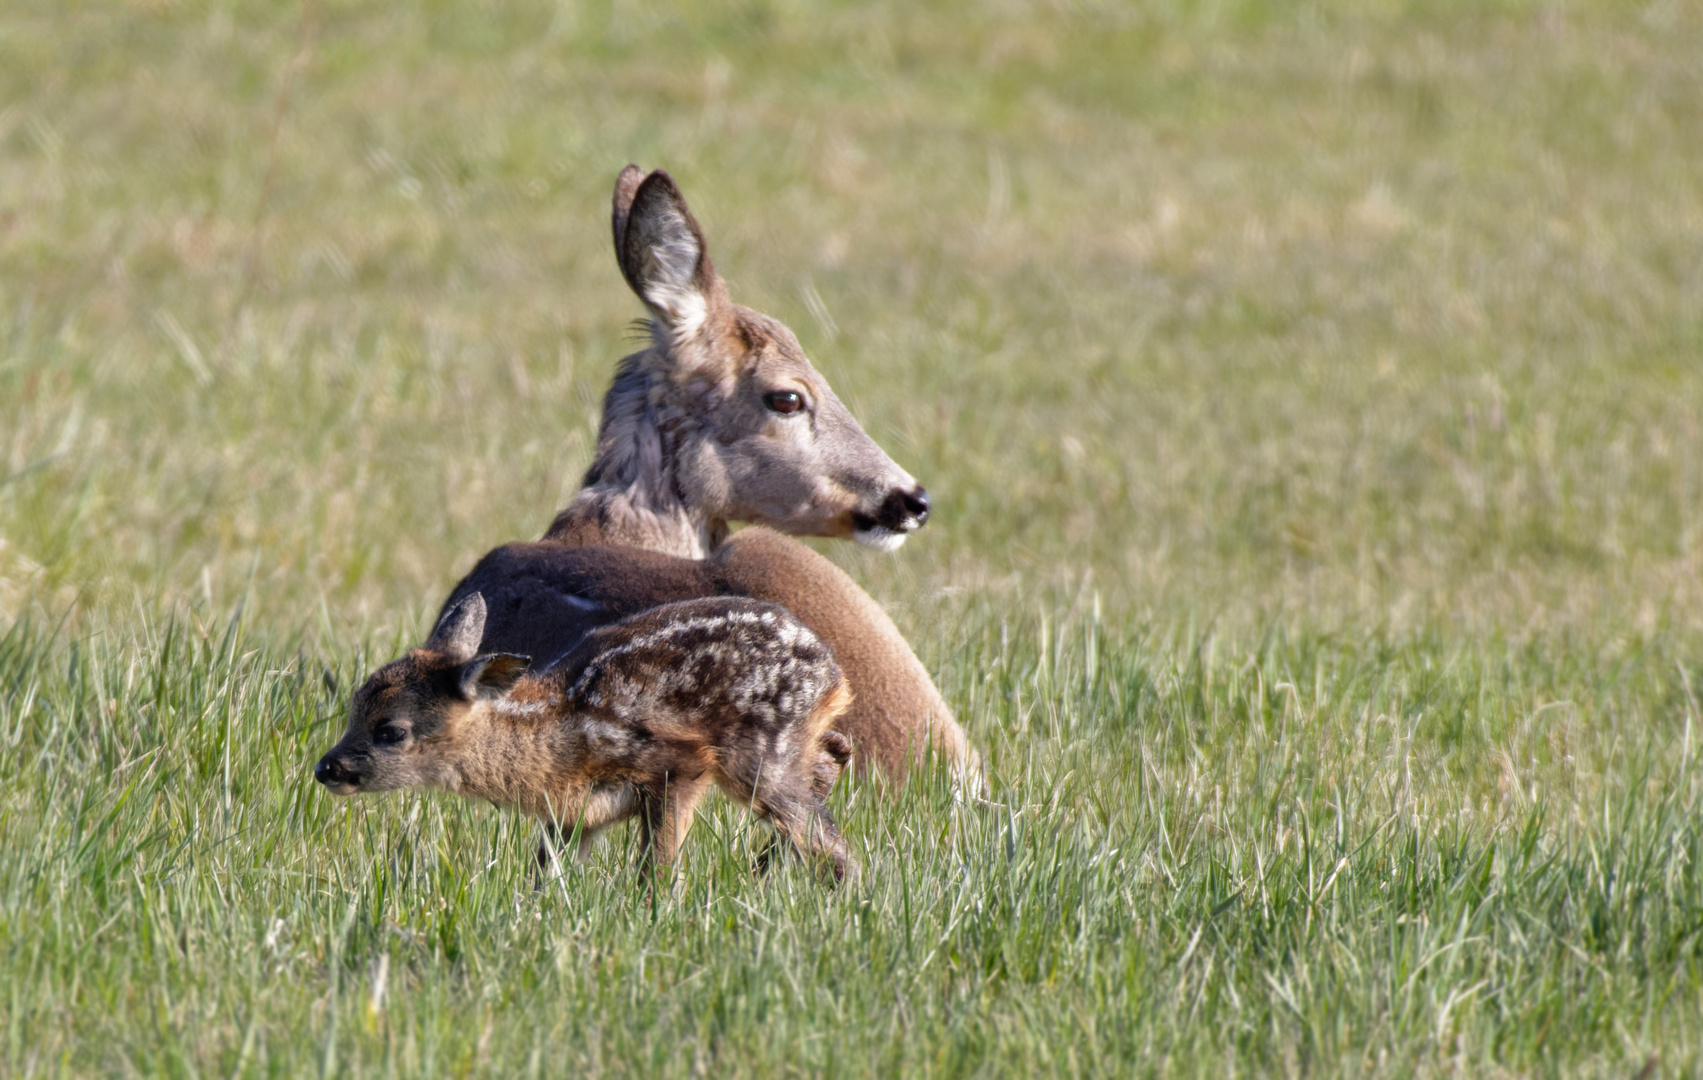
1309, 395
1318, 856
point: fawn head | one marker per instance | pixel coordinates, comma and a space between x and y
404, 720
725, 407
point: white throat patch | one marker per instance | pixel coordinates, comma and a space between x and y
879, 538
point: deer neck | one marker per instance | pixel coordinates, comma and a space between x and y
632, 495
627, 518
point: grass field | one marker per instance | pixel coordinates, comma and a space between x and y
1311, 399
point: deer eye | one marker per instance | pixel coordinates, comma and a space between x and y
390, 734
783, 401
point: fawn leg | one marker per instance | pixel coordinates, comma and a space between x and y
665, 814
548, 857
791, 805
600, 808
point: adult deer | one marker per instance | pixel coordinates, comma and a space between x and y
722, 418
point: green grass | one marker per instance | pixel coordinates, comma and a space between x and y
1310, 398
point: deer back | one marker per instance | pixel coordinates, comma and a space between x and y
544, 599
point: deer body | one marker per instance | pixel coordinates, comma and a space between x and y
723, 418
545, 597
639, 720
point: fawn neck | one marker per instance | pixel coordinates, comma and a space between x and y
512, 755
632, 496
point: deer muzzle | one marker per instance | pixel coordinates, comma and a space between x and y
900, 514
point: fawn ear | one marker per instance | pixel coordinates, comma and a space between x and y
492, 675
460, 628
662, 254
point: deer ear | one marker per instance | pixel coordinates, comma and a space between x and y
492, 675
460, 628
626, 186
837, 746
662, 255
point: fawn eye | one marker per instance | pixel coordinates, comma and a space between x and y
783, 401
390, 734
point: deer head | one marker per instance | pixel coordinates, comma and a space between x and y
723, 418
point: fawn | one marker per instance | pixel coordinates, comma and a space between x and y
722, 418
638, 721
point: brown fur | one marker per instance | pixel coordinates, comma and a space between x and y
639, 720
543, 598
687, 445
897, 717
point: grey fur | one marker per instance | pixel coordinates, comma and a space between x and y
688, 444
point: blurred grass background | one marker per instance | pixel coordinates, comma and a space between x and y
1374, 312
1353, 348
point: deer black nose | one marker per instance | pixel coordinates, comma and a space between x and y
917, 503
900, 512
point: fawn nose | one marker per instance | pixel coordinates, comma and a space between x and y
331, 771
